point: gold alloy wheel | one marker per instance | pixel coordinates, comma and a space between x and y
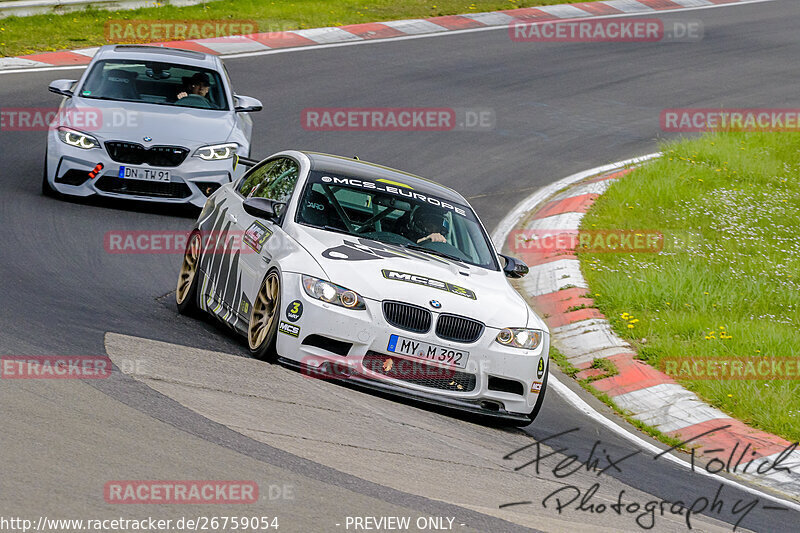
188, 268
264, 311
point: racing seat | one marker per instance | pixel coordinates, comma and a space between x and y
401, 225
318, 211
315, 209
120, 85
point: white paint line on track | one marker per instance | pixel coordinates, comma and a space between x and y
397, 23
499, 236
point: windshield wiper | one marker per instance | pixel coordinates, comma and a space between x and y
432, 252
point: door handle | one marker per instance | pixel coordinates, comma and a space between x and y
233, 218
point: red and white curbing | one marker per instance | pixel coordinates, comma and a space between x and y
556, 287
261, 42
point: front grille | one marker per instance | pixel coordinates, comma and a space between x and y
458, 328
173, 189
408, 317
420, 373
136, 154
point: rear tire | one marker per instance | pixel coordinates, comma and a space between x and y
263, 326
186, 291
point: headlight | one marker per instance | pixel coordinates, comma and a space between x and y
326, 291
77, 139
525, 338
216, 151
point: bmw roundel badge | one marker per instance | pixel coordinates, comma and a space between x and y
148, 139
436, 304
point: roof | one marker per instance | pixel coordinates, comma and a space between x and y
364, 169
157, 53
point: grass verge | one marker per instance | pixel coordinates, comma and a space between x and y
570, 370
726, 285
40, 33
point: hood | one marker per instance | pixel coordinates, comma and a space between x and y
381, 271
171, 125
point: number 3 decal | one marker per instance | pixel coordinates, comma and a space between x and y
294, 311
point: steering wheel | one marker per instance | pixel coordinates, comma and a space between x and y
194, 100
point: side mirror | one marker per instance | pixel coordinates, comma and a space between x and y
246, 104
514, 267
264, 208
62, 87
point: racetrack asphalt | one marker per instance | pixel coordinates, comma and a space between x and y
560, 108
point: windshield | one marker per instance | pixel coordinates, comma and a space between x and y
393, 213
155, 83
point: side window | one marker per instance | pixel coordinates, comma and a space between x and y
280, 181
254, 177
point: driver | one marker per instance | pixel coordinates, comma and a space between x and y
426, 224
198, 84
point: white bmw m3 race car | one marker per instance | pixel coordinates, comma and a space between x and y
347, 269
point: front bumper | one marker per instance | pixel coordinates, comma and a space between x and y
332, 342
190, 182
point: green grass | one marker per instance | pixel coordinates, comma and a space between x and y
570, 370
26, 35
729, 206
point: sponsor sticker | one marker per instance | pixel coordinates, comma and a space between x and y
294, 311
397, 190
428, 282
256, 235
536, 387
244, 306
289, 329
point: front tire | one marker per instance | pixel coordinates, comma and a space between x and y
539, 401
263, 327
186, 292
